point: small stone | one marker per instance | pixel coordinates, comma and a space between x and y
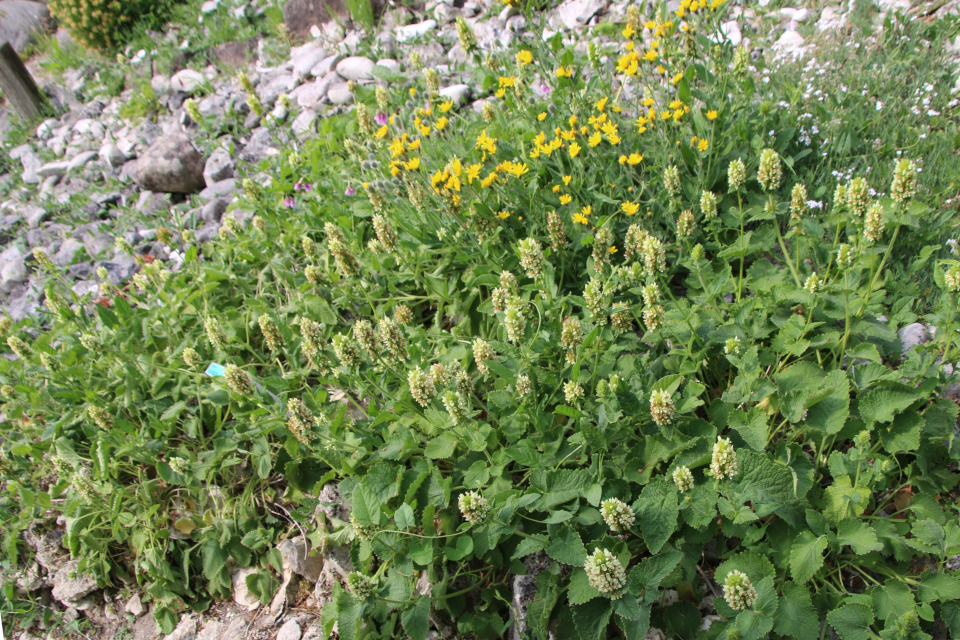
219, 166
790, 42
289, 631
577, 13
912, 336
35, 215
414, 31
303, 123
58, 169
241, 594
801, 15
214, 630
81, 159
310, 94
134, 606
295, 557
731, 30
458, 93
272, 90
186, 630
187, 81
388, 63
355, 68
219, 189
325, 66
70, 585
214, 210
340, 93
209, 6
305, 61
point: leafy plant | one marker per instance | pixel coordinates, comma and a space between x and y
613, 328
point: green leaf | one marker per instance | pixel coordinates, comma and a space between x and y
830, 413
757, 622
894, 597
657, 512
591, 618
752, 427
843, 501
528, 546
461, 550
754, 565
416, 619
477, 475
938, 586
214, 558
441, 447
806, 556
220, 397
627, 608
540, 609
859, 535
567, 547
404, 517
796, 616
580, 590
366, 507
903, 434
769, 486
950, 612
852, 621
883, 403
647, 575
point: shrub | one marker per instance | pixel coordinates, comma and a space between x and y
606, 324
103, 25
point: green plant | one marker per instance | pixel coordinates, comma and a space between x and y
142, 104
104, 25
640, 339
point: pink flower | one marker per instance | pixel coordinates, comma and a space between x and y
349, 191
380, 118
289, 202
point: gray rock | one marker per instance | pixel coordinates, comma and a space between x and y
218, 189
388, 63
21, 21
81, 159
58, 169
272, 90
290, 630
340, 93
303, 123
207, 233
30, 579
235, 55
214, 210
187, 81
219, 166
213, 630
355, 68
134, 606
309, 56
790, 43
300, 15
913, 335
112, 156
67, 252
35, 215
120, 269
70, 585
171, 165
296, 558
13, 272
241, 594
524, 591
458, 93
31, 162
186, 630
577, 13
310, 94
261, 144
414, 31
325, 66
209, 6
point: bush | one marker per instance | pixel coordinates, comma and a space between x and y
604, 328
104, 25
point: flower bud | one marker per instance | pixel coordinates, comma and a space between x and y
474, 507
617, 514
736, 174
421, 387
361, 586
191, 358
724, 463
661, 407
708, 205
738, 591
683, 478
770, 172
572, 391
605, 573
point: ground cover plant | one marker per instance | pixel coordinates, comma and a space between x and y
608, 323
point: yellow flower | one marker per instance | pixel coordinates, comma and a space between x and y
564, 72
622, 160
413, 91
412, 165
703, 145
579, 218
445, 106
542, 116
524, 57
635, 159
500, 93
572, 121
565, 198
396, 147
413, 146
628, 32
630, 208
651, 55
612, 249
507, 81
473, 172
676, 104
489, 180
595, 139
487, 143
676, 78
441, 123
514, 168
601, 104
574, 149
556, 188
712, 115
665, 115
503, 215
566, 180
425, 130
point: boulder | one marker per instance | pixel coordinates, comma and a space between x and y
307, 58
21, 21
290, 630
458, 94
300, 15
219, 166
171, 165
414, 31
187, 81
577, 13
296, 558
339, 93
241, 593
355, 68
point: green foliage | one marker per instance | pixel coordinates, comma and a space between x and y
104, 25
509, 320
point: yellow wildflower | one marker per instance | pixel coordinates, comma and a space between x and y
445, 106
441, 123
473, 172
566, 180
412, 165
503, 215
542, 116
564, 72
712, 115
629, 32
524, 57
703, 145
556, 188
565, 198
622, 160
595, 139
601, 104
635, 159
612, 250
574, 149
630, 208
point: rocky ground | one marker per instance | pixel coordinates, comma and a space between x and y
90, 175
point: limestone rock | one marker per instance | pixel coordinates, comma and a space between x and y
219, 166
70, 585
187, 81
296, 558
913, 335
577, 13
290, 630
355, 68
241, 594
21, 21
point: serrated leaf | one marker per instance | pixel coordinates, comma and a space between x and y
366, 507
567, 547
754, 565
752, 427
830, 413
528, 546
540, 609
757, 622
903, 434
806, 556
657, 510
441, 447
852, 621
214, 558
404, 517
477, 475
626, 607
416, 619
859, 535
938, 586
591, 618
883, 403
893, 597
843, 501
769, 486
651, 571
796, 616
580, 589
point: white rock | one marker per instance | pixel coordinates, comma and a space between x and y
295, 557
389, 63
45, 130
81, 160
458, 93
831, 18
339, 93
134, 606
58, 169
790, 43
209, 6
312, 93
355, 68
303, 123
315, 31
801, 15
788, 12
186, 630
34, 215
325, 66
112, 156
219, 166
187, 80
577, 13
413, 31
289, 631
913, 335
731, 32
305, 61
241, 594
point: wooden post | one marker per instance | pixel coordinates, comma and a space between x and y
18, 86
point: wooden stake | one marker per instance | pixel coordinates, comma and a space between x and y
18, 86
